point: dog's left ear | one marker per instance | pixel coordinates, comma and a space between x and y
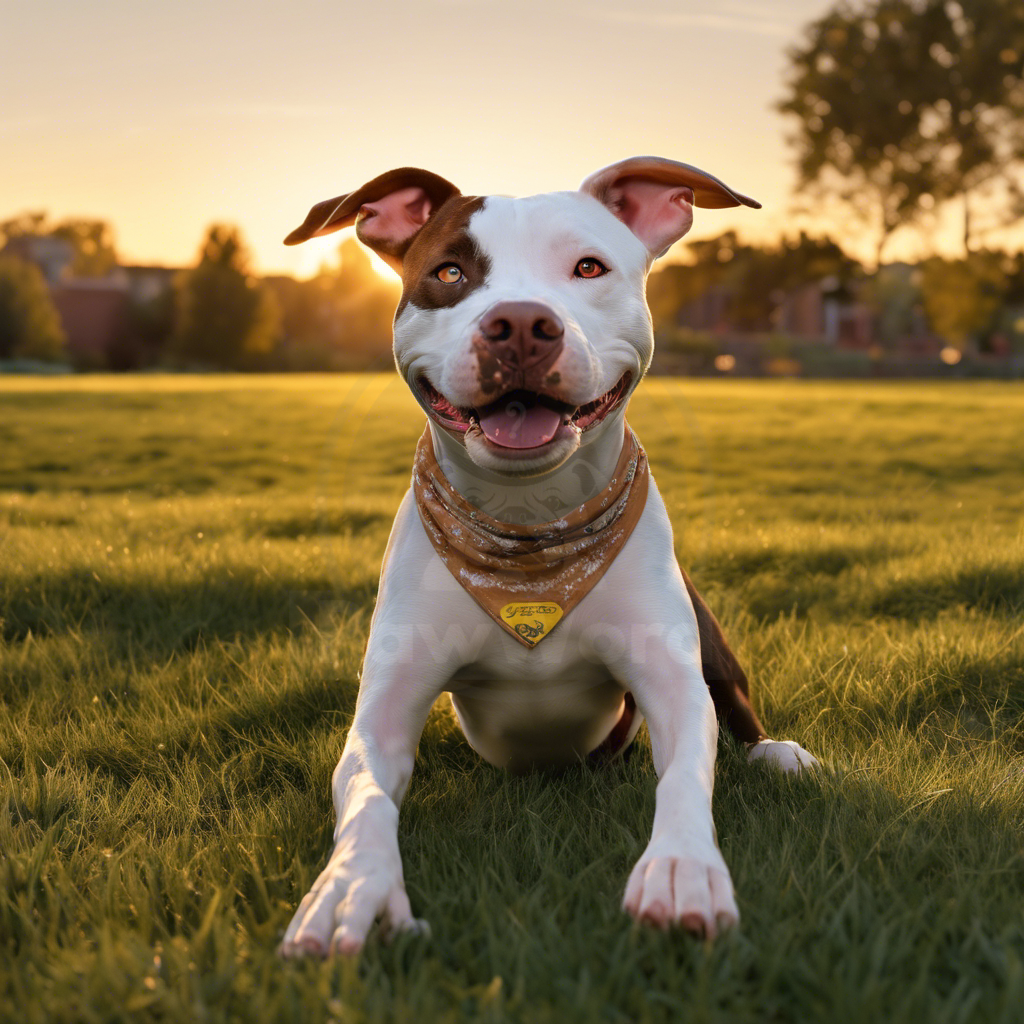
655, 197
388, 212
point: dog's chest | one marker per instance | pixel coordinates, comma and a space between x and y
520, 707
522, 715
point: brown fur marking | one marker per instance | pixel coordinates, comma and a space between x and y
443, 239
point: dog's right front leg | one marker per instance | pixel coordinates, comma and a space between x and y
363, 878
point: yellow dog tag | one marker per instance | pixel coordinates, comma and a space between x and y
531, 620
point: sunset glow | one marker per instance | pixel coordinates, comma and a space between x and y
250, 113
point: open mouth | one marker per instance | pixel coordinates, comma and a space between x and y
522, 420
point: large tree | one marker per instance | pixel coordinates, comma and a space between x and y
904, 104
225, 317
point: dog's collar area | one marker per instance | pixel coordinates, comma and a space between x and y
521, 416
528, 577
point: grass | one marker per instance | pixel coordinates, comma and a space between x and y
187, 567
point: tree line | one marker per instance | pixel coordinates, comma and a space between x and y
217, 314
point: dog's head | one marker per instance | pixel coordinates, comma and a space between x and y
523, 325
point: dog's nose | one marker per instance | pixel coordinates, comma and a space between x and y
522, 334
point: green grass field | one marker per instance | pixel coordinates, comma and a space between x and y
187, 567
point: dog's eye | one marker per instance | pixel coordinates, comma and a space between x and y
589, 267
450, 273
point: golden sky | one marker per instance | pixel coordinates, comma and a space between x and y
165, 117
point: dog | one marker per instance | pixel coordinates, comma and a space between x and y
530, 571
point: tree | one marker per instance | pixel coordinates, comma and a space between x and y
340, 319
963, 298
25, 225
903, 104
893, 295
364, 304
29, 325
91, 241
975, 129
224, 316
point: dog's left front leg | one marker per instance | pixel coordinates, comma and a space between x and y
681, 879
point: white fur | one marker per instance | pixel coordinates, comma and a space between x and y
786, 754
519, 707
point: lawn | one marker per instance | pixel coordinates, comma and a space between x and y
187, 567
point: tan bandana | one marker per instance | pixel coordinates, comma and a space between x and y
529, 577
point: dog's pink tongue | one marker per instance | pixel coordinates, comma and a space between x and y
515, 425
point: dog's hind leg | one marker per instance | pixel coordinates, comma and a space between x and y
730, 690
730, 693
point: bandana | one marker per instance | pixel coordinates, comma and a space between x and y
527, 578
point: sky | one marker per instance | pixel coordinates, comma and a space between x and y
165, 117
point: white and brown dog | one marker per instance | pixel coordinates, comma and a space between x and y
522, 331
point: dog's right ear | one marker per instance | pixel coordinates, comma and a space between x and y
387, 212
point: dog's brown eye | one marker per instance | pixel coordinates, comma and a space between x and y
589, 267
449, 273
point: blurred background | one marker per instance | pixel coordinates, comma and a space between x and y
154, 156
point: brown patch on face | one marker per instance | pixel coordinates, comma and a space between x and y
444, 239
492, 376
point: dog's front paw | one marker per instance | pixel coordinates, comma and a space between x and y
787, 754
351, 893
691, 893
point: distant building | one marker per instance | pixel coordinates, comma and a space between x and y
815, 311
825, 311
149, 283
885, 312
709, 311
95, 313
